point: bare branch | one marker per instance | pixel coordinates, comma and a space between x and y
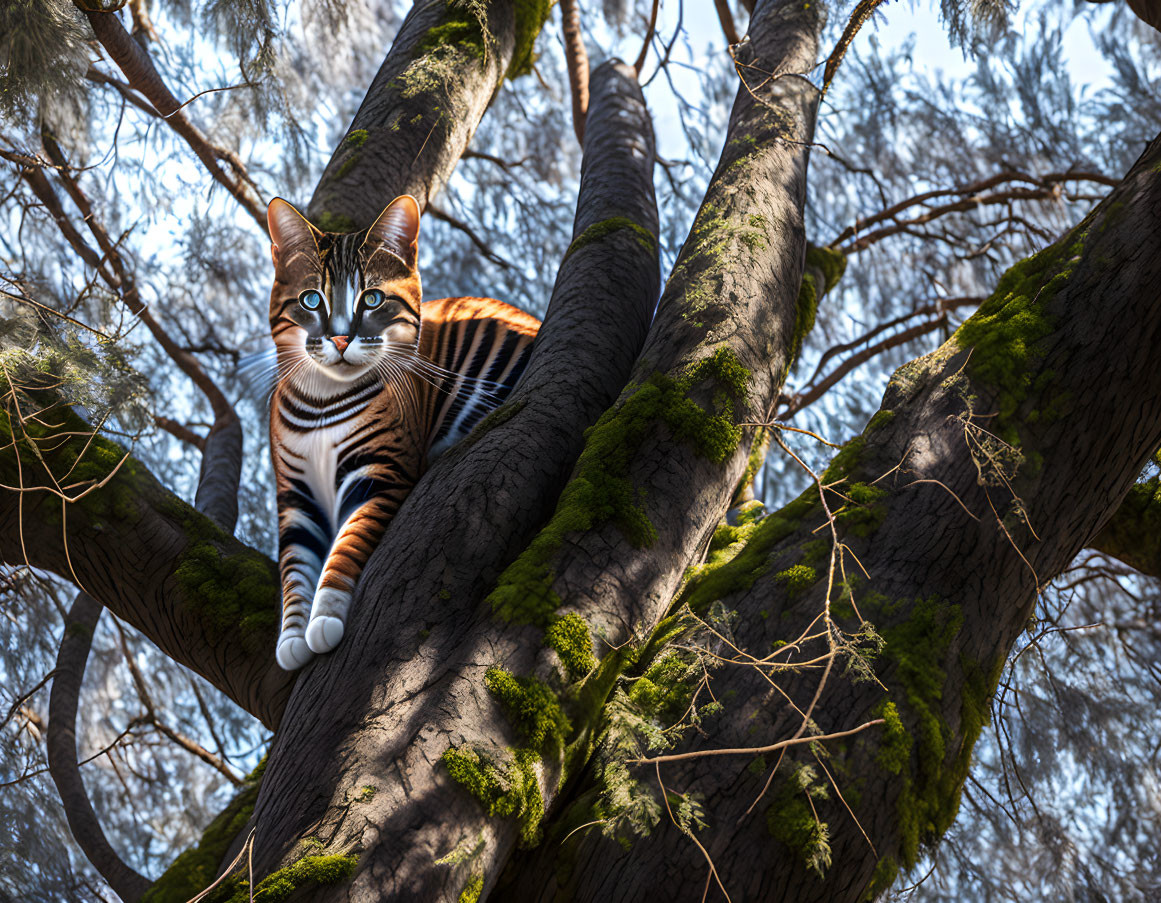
62, 751
577, 61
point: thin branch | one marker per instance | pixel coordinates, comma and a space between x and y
577, 61
443, 216
137, 66
639, 63
62, 751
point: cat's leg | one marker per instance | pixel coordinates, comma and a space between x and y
357, 539
303, 543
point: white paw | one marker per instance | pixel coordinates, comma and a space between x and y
292, 653
323, 633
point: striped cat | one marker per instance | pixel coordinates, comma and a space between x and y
371, 386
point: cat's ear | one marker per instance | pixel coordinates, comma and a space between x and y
397, 229
289, 231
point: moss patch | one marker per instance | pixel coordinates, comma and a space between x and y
531, 706
511, 792
601, 491
569, 637
798, 579
792, 820
1007, 331
306, 872
335, 223
597, 231
530, 18
472, 890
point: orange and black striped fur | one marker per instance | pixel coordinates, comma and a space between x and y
371, 385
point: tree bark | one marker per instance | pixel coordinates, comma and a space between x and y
992, 476
406, 683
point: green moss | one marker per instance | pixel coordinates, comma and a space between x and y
461, 29
798, 579
1133, 533
1006, 333
831, 262
195, 869
367, 793
233, 592
886, 869
880, 420
508, 793
530, 18
599, 230
306, 872
664, 692
918, 646
757, 766
531, 706
335, 223
569, 637
738, 570
347, 165
502, 414
472, 890
865, 511
356, 138
601, 491
792, 821
895, 747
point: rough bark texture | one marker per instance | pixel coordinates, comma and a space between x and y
423, 106
1057, 368
202, 597
407, 683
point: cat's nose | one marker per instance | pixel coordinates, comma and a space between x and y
340, 343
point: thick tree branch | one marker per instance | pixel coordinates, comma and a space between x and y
1133, 532
991, 464
205, 599
424, 105
419, 642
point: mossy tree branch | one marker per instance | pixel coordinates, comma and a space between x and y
419, 641
446, 63
202, 597
1133, 532
991, 464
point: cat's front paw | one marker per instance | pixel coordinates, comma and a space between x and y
292, 653
328, 616
323, 633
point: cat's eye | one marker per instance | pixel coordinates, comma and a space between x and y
373, 298
310, 299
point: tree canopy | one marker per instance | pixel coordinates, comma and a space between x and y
814, 558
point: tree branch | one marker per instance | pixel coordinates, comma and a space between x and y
418, 608
423, 107
137, 66
62, 751
577, 62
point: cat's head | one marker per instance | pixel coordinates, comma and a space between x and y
344, 305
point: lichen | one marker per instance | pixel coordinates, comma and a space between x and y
601, 490
605, 227
569, 637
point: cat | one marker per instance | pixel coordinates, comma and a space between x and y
372, 385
